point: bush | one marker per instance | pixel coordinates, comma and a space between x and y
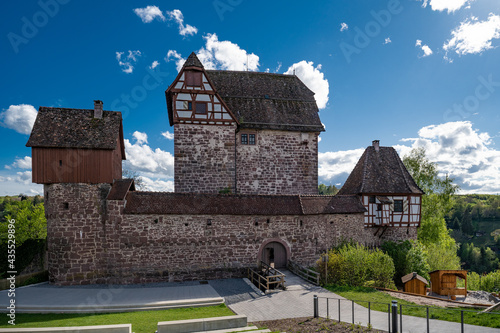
416, 260
355, 265
488, 282
398, 251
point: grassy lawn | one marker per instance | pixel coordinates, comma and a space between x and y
363, 295
142, 321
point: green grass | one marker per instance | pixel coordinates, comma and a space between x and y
142, 321
362, 296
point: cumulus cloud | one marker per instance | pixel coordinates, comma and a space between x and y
167, 135
19, 118
173, 55
448, 5
21, 163
23, 177
149, 13
17, 183
462, 152
226, 55
313, 78
154, 64
427, 50
127, 62
387, 41
146, 161
184, 30
157, 185
343, 26
473, 36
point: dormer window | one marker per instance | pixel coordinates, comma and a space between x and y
193, 79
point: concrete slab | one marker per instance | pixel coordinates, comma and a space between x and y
124, 328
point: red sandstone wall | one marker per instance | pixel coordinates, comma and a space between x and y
122, 249
282, 162
204, 158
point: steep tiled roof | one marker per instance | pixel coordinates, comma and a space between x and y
120, 189
380, 172
193, 61
75, 128
268, 100
213, 204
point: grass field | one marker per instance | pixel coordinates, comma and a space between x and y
142, 322
363, 295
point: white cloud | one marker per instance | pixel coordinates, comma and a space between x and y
23, 177
19, 118
154, 64
343, 26
448, 5
127, 62
148, 162
149, 13
387, 41
167, 135
140, 137
313, 78
427, 50
226, 55
157, 185
21, 163
173, 55
184, 30
462, 152
17, 183
473, 36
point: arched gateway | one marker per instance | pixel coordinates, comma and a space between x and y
274, 252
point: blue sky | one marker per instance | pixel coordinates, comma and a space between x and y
410, 73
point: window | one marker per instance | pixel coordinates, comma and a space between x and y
66, 205
244, 139
371, 199
188, 105
248, 139
193, 79
201, 108
379, 207
398, 205
251, 139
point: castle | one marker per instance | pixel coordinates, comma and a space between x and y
246, 177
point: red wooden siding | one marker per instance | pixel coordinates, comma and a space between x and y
69, 165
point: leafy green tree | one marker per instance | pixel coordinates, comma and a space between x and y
327, 190
442, 256
466, 225
416, 260
30, 222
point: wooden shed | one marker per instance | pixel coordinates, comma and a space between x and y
444, 282
414, 283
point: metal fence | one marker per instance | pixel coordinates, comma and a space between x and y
395, 319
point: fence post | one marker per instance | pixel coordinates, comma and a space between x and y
401, 318
428, 330
462, 320
327, 309
394, 316
388, 317
339, 309
353, 312
315, 300
369, 314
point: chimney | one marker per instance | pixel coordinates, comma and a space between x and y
375, 144
98, 109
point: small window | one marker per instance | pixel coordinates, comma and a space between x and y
60, 162
244, 139
193, 79
201, 108
371, 199
209, 222
188, 105
251, 139
66, 205
379, 207
398, 206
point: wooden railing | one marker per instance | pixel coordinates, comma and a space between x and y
266, 277
305, 273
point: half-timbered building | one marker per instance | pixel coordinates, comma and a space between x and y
386, 189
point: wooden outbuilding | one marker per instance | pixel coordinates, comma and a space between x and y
415, 284
444, 282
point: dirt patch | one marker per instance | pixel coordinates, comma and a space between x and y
311, 325
426, 301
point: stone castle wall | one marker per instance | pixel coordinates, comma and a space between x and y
281, 162
119, 248
204, 158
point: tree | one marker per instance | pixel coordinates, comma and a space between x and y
327, 190
436, 202
138, 181
30, 222
466, 225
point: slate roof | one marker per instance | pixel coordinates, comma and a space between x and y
76, 128
268, 100
193, 61
220, 204
120, 189
380, 172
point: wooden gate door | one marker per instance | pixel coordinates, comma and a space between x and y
274, 254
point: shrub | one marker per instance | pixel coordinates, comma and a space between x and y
416, 260
398, 251
381, 269
488, 282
